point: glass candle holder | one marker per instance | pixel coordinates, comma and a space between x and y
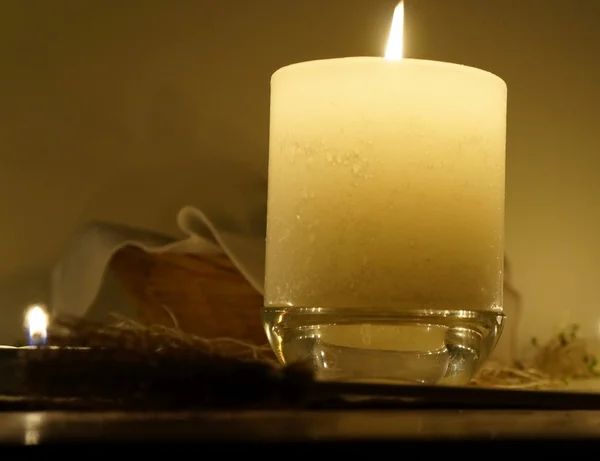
384, 251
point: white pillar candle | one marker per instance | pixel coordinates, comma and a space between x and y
386, 185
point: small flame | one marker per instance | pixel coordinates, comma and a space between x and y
395, 43
36, 323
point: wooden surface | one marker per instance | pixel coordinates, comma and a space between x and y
345, 426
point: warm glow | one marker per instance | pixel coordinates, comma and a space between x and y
36, 323
396, 40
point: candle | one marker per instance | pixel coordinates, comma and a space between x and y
14, 360
36, 324
386, 196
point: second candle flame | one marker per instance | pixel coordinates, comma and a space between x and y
36, 323
395, 43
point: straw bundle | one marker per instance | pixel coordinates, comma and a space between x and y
204, 295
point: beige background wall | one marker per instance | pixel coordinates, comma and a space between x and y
127, 110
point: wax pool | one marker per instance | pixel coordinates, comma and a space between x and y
386, 185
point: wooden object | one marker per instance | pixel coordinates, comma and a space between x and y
206, 294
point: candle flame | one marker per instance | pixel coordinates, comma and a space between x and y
395, 43
36, 323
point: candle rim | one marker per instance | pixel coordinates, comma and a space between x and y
390, 62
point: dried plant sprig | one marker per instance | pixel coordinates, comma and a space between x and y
158, 365
498, 375
128, 334
563, 358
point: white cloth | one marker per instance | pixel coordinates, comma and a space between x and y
77, 278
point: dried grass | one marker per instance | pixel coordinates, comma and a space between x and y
551, 366
158, 366
128, 334
561, 360
498, 375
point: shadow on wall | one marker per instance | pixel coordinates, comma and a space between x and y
178, 165
228, 191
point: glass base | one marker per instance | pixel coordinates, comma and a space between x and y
377, 345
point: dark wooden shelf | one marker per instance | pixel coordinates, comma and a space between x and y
233, 430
